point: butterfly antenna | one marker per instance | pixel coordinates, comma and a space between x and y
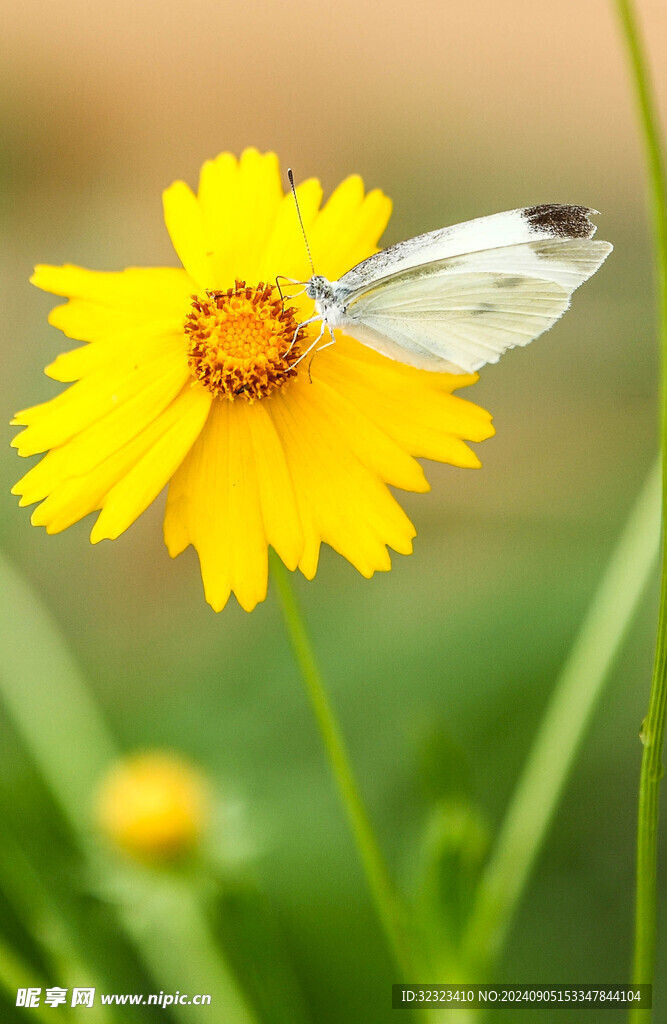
303, 230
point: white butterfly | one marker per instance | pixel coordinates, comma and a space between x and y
455, 299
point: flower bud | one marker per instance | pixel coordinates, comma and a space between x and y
154, 805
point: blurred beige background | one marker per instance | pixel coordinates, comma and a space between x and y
435, 101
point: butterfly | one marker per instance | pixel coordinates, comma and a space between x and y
458, 298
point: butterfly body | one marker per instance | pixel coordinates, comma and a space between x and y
329, 297
457, 298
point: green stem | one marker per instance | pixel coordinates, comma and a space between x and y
653, 730
563, 727
377, 875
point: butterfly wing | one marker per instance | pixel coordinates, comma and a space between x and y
459, 298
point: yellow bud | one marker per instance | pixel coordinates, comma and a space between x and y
154, 805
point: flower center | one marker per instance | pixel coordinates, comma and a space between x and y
240, 341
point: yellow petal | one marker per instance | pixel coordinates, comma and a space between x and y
183, 217
91, 321
214, 505
370, 443
259, 200
98, 442
180, 426
249, 554
280, 513
141, 293
84, 403
329, 231
132, 343
239, 205
349, 508
218, 187
76, 496
410, 405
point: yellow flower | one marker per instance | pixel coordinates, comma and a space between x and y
154, 805
188, 379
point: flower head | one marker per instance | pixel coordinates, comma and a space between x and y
154, 805
191, 377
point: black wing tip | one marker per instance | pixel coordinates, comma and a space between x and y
561, 221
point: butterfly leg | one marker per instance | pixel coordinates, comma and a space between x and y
311, 346
329, 343
304, 323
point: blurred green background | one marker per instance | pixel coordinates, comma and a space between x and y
440, 669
